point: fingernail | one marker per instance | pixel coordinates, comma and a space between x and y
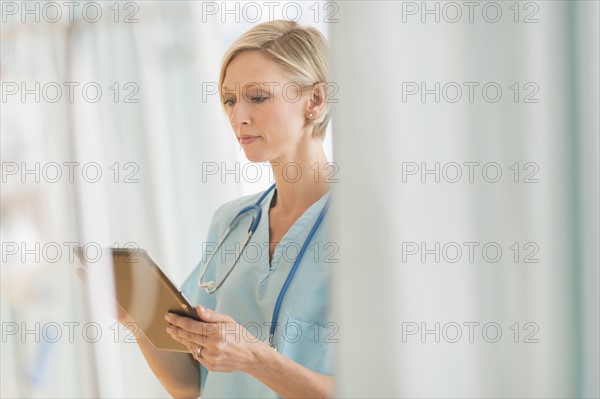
169, 329
167, 317
202, 310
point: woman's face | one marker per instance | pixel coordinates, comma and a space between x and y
266, 109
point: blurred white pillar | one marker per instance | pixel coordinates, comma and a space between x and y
93, 216
380, 51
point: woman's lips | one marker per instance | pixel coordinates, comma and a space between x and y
248, 139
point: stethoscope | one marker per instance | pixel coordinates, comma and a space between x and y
255, 211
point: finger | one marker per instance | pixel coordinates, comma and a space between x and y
192, 347
211, 316
182, 338
203, 360
179, 334
198, 328
183, 322
176, 337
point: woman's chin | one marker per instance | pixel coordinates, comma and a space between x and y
253, 157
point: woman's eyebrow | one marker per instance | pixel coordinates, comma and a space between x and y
261, 84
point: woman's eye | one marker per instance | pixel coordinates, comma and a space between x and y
257, 99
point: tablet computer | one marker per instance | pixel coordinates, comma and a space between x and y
146, 294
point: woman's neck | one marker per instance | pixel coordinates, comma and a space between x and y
300, 180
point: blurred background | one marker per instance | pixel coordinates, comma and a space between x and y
466, 140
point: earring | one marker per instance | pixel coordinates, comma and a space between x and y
309, 116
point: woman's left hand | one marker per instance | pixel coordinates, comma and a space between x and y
226, 345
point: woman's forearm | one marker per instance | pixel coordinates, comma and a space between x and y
178, 372
287, 378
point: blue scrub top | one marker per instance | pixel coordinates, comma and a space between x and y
305, 333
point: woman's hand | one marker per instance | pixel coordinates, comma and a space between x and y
226, 346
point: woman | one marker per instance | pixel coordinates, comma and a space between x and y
273, 82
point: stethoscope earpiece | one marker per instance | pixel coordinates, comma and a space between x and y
208, 285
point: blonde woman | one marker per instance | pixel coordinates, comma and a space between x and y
263, 287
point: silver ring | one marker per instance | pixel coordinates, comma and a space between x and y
198, 351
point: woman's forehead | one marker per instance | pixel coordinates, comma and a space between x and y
251, 68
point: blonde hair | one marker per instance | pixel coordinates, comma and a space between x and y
301, 51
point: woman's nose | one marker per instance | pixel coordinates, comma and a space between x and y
240, 114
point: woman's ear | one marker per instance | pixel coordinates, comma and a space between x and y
316, 101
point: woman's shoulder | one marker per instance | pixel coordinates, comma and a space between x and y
230, 209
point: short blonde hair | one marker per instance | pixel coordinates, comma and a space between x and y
301, 51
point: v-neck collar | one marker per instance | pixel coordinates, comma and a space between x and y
307, 218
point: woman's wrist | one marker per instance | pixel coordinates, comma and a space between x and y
262, 354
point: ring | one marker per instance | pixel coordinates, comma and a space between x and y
198, 351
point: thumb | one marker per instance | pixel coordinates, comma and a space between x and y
210, 316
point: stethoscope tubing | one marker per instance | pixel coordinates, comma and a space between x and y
253, 226
292, 272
